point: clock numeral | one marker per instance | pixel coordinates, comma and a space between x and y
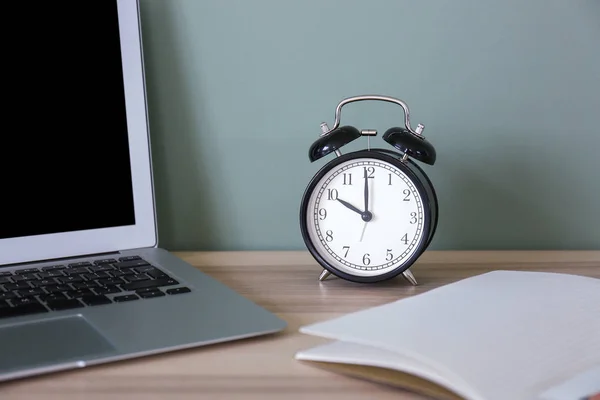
413, 218
390, 179
332, 194
329, 235
366, 260
322, 214
389, 255
369, 171
406, 194
347, 248
347, 179
405, 238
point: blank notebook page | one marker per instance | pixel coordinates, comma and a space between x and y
507, 334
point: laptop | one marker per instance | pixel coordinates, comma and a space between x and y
82, 278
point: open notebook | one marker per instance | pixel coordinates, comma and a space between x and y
502, 335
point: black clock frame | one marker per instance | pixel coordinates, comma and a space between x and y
421, 182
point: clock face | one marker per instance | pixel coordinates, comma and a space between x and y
365, 217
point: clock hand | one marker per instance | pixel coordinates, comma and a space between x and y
350, 206
366, 192
366, 215
363, 231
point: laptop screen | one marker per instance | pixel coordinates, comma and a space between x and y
64, 161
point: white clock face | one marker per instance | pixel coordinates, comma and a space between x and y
365, 217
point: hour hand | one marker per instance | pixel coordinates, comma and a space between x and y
350, 206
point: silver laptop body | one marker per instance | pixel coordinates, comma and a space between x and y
82, 279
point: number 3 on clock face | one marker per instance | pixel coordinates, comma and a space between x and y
366, 216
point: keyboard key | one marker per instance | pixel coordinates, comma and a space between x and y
5, 279
43, 282
57, 288
5, 273
53, 297
79, 293
53, 268
128, 297
153, 272
107, 290
76, 271
129, 258
85, 285
110, 281
96, 300
7, 295
105, 261
27, 271
149, 284
124, 272
50, 274
145, 268
17, 286
31, 292
179, 290
131, 264
147, 294
70, 279
103, 267
136, 278
24, 277
64, 304
80, 264
25, 309
96, 275
24, 301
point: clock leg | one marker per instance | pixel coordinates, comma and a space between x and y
410, 277
324, 275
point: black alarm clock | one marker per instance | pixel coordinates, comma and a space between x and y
368, 215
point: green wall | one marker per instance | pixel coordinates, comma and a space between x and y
509, 92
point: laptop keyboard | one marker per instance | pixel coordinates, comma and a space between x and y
82, 284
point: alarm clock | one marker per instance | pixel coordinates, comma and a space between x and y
368, 215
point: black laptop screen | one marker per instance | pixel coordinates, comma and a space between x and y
64, 157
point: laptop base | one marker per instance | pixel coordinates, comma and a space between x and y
206, 312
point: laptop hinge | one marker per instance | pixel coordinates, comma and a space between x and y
59, 260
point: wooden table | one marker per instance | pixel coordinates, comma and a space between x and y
264, 368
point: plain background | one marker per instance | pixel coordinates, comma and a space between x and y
508, 91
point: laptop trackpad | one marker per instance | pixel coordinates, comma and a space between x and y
43, 343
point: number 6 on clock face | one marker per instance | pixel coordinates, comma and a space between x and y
366, 216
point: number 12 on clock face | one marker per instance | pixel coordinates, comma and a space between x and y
367, 216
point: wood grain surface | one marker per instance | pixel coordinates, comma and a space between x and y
264, 368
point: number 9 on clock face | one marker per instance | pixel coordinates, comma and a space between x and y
367, 216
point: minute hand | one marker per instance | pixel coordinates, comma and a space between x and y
350, 206
366, 192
